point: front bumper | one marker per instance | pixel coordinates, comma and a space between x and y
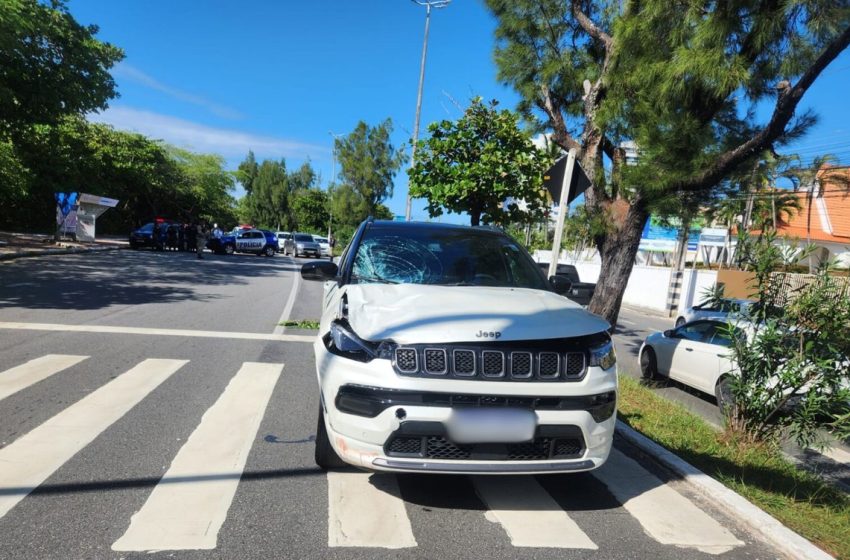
423, 407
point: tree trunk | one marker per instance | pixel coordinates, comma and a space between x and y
474, 217
618, 250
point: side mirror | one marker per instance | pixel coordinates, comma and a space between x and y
560, 285
319, 270
669, 333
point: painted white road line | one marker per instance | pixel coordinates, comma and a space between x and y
666, 516
187, 513
290, 302
155, 332
367, 510
30, 460
22, 376
530, 516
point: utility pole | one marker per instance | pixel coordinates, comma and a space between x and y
428, 5
332, 182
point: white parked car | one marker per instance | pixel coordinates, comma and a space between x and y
720, 310
323, 244
282, 236
443, 349
697, 354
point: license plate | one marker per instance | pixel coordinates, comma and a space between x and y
491, 425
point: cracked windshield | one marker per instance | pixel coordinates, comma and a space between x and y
565, 279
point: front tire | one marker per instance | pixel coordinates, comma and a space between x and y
649, 365
229, 249
680, 321
723, 394
268, 251
326, 457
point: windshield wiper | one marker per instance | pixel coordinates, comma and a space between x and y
373, 279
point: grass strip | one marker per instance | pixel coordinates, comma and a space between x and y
302, 324
800, 500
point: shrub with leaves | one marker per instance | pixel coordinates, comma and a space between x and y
793, 367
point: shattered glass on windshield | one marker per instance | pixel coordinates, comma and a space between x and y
397, 260
453, 257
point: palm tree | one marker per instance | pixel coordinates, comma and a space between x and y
809, 178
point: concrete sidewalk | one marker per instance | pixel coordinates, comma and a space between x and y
17, 245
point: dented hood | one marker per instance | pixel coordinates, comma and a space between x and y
415, 313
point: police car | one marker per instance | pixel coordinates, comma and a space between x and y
257, 241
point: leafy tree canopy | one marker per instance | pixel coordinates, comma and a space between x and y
148, 178
478, 162
247, 172
269, 198
50, 65
369, 161
310, 210
681, 80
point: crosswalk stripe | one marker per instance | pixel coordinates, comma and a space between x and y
366, 510
667, 516
188, 507
530, 516
22, 376
30, 460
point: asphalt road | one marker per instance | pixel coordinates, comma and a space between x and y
147, 405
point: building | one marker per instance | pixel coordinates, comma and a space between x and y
824, 216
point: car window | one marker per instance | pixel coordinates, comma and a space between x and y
725, 335
698, 331
729, 306
147, 228
453, 257
303, 237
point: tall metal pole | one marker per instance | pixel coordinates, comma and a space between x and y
332, 182
418, 103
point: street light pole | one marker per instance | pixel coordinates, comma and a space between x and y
332, 182
428, 6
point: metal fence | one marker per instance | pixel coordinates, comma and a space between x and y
791, 284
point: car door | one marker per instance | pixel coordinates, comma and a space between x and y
242, 240
694, 359
723, 343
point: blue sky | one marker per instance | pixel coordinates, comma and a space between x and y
280, 76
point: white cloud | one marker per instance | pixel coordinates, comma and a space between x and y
132, 73
232, 144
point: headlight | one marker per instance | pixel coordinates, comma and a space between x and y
343, 341
603, 356
347, 342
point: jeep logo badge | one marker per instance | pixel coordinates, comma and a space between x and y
491, 334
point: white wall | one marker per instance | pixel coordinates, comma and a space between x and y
648, 285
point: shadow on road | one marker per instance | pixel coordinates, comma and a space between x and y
95, 281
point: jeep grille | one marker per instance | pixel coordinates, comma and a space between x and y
491, 362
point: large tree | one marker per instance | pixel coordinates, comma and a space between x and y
269, 198
310, 209
369, 161
50, 65
682, 80
247, 171
476, 163
147, 177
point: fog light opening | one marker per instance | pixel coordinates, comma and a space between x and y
400, 413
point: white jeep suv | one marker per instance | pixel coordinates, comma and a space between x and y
444, 349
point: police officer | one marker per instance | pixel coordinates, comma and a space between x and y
201, 233
331, 245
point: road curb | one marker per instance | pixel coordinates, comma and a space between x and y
51, 252
760, 522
